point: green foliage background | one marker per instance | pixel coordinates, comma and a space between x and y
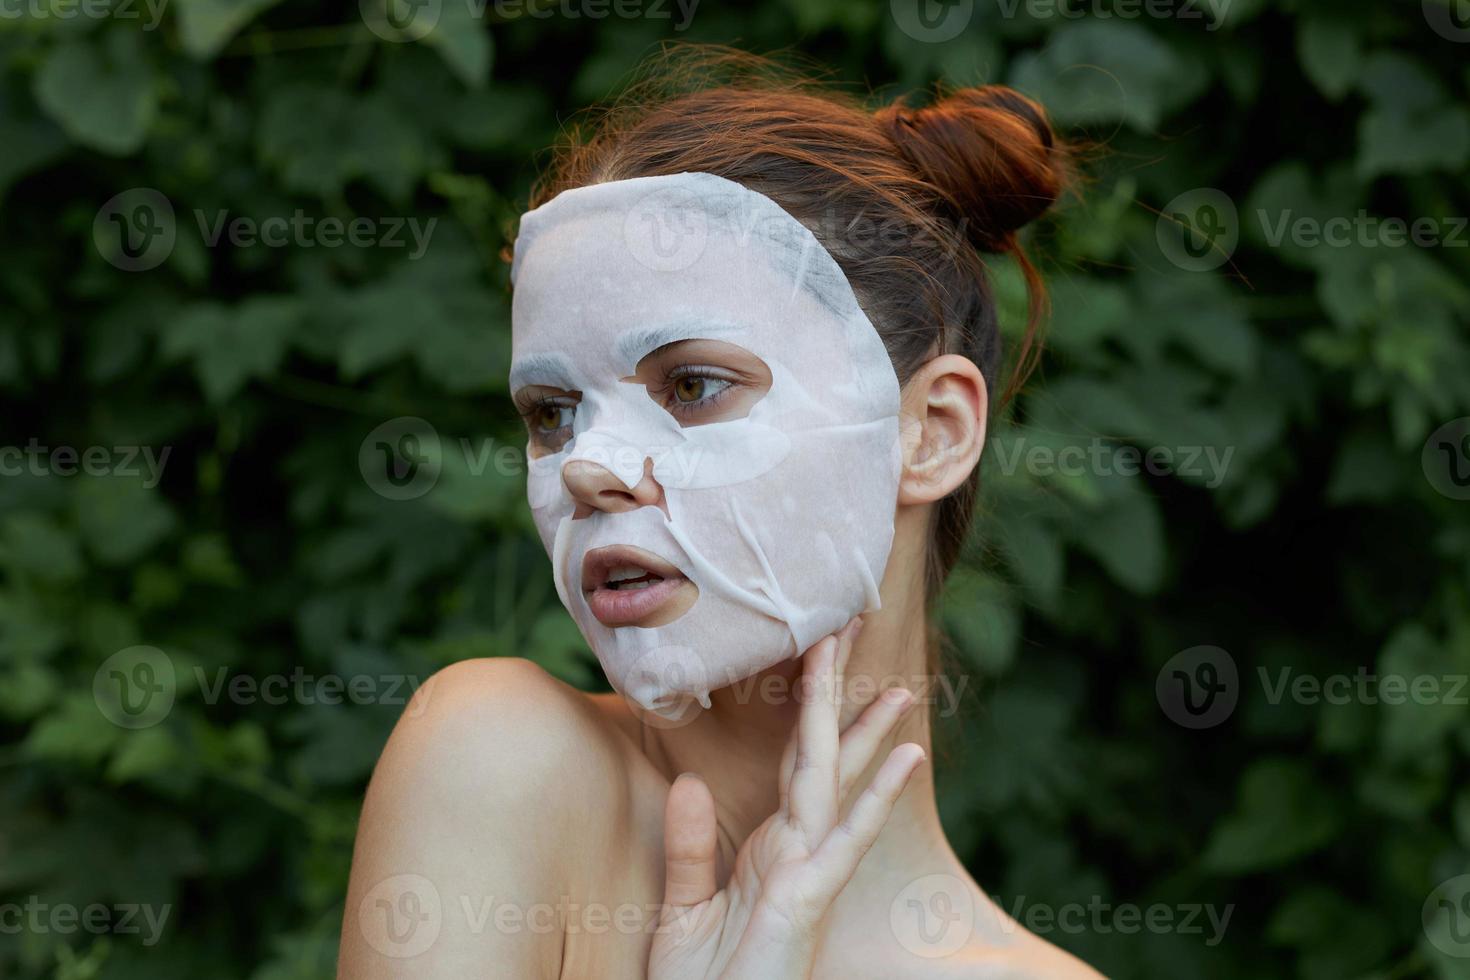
1324, 549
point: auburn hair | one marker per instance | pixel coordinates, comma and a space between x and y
908, 200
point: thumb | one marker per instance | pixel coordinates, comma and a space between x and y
689, 844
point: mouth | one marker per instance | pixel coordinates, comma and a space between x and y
627, 586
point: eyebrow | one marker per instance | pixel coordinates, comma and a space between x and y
635, 344
552, 370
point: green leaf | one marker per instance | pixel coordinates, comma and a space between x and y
1330, 53
102, 94
981, 614
145, 752
463, 42
35, 544
205, 26
75, 732
30, 142
1421, 692
1098, 71
229, 346
318, 139
1367, 470
121, 519
1283, 812
1412, 128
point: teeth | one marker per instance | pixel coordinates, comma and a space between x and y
623, 572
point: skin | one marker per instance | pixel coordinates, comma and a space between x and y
548, 820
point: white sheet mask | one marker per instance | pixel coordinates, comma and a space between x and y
784, 518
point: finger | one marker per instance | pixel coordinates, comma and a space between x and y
859, 744
813, 790
845, 638
839, 854
689, 843
788, 764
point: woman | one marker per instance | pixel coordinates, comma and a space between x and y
754, 348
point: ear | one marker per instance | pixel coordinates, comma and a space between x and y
942, 419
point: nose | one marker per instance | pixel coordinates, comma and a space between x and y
595, 488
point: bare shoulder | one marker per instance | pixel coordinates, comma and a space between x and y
499, 787
478, 721
1031, 958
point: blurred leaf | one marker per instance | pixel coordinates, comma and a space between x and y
205, 26
121, 519
231, 346
100, 90
1283, 811
1330, 54
1095, 71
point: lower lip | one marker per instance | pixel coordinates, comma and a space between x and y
629, 607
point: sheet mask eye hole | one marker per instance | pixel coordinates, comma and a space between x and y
703, 381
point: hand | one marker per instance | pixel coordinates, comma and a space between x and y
765, 923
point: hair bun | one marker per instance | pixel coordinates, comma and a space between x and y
990, 153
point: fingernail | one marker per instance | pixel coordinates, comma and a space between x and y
899, 696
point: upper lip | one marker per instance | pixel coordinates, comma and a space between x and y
598, 563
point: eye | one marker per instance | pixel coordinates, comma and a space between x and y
695, 388
549, 418
692, 388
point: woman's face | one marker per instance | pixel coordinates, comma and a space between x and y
712, 430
